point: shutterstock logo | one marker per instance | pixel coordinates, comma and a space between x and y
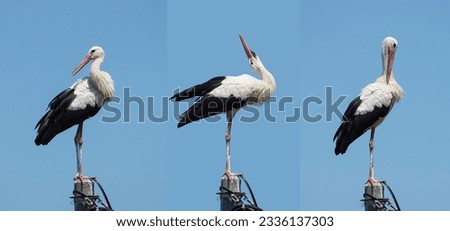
287, 109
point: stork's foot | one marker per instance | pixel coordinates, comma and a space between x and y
228, 175
78, 177
371, 181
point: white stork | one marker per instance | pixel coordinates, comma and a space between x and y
370, 108
77, 103
228, 94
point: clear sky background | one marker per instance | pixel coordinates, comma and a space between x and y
154, 48
42, 41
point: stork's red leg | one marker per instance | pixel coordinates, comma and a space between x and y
227, 142
371, 147
78, 146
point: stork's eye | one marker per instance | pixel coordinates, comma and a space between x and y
92, 51
250, 62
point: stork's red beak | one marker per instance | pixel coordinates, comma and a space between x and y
390, 63
82, 64
248, 52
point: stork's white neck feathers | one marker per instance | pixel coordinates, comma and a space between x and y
101, 80
266, 76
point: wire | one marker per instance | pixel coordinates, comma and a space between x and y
393, 196
89, 204
249, 189
109, 207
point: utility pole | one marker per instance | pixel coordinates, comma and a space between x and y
83, 194
374, 196
230, 198
84, 198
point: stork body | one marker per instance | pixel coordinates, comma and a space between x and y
369, 109
228, 94
79, 102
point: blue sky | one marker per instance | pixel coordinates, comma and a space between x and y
154, 48
44, 41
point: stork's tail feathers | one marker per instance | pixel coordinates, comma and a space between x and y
203, 108
187, 118
198, 90
210, 106
341, 146
45, 132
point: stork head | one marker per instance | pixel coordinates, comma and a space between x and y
253, 59
388, 49
93, 53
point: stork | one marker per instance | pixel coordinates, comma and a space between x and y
228, 94
77, 103
370, 108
